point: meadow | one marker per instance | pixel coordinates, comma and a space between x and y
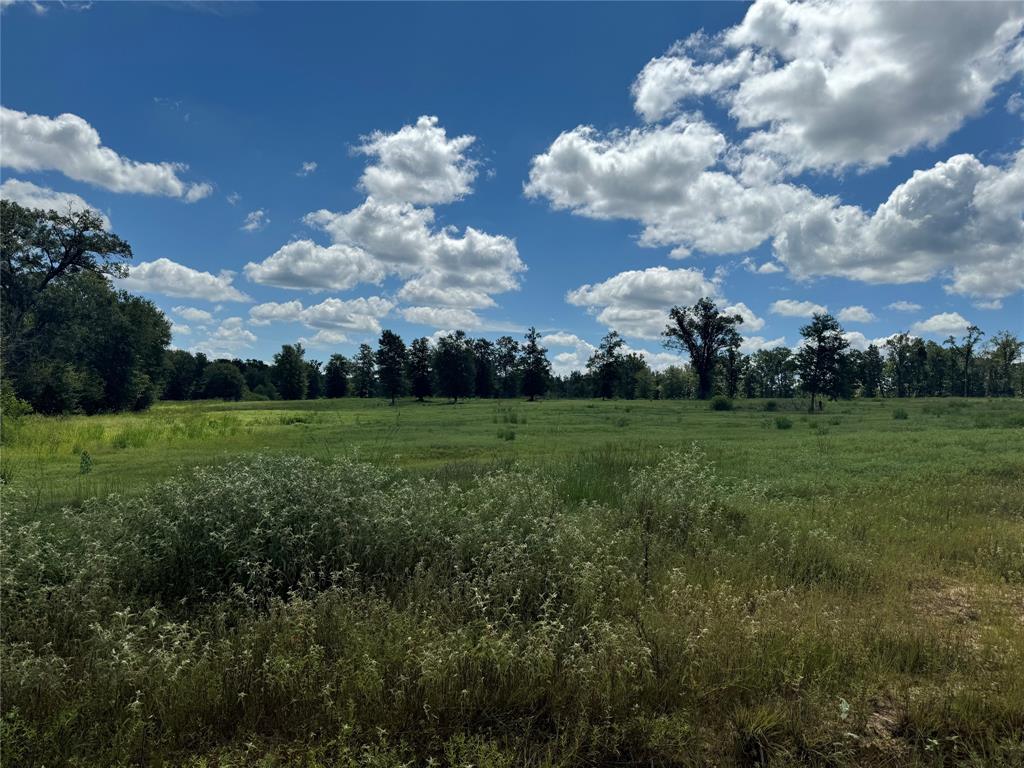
504, 583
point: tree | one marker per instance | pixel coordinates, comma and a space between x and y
391, 361
1004, 351
535, 366
182, 374
820, 360
483, 365
419, 371
291, 374
314, 380
223, 380
702, 332
734, 365
506, 366
964, 351
90, 348
871, 371
336, 377
39, 249
453, 366
605, 365
772, 371
364, 375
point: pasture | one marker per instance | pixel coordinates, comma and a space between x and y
505, 583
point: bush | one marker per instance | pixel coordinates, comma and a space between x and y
771, 405
721, 403
900, 414
781, 422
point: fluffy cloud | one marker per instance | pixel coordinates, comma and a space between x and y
255, 220
856, 314
29, 195
904, 306
303, 264
827, 85
325, 339
69, 144
306, 168
193, 314
173, 279
752, 344
442, 317
751, 322
942, 324
361, 315
793, 308
229, 338
390, 233
418, 164
636, 302
960, 217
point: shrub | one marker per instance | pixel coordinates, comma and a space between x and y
781, 422
721, 403
771, 405
900, 414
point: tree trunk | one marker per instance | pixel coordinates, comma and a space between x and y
703, 385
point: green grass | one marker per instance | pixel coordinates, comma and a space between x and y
511, 583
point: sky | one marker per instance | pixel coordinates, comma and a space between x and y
321, 171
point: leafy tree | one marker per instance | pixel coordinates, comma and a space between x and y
420, 374
506, 366
772, 370
703, 332
182, 374
964, 352
336, 377
454, 366
820, 360
605, 365
872, 367
1004, 351
483, 365
291, 373
734, 364
90, 348
535, 366
223, 380
391, 362
39, 249
314, 379
364, 374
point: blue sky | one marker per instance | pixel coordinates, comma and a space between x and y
575, 167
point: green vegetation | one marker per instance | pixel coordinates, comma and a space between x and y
342, 582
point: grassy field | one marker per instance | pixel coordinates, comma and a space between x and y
508, 583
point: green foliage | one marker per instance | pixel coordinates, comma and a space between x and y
336, 377
222, 380
782, 422
900, 414
770, 405
702, 331
721, 403
291, 372
536, 370
391, 364
453, 365
607, 601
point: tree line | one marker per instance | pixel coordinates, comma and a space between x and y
71, 342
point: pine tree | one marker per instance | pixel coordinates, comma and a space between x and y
391, 359
535, 366
418, 369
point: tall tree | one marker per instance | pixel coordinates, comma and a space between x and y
703, 332
483, 365
419, 371
605, 365
182, 372
820, 360
1004, 351
364, 375
291, 375
391, 361
453, 366
314, 380
38, 249
535, 366
964, 351
734, 364
222, 380
336, 377
506, 366
871, 371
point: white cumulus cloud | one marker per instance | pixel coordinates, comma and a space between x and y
172, 279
